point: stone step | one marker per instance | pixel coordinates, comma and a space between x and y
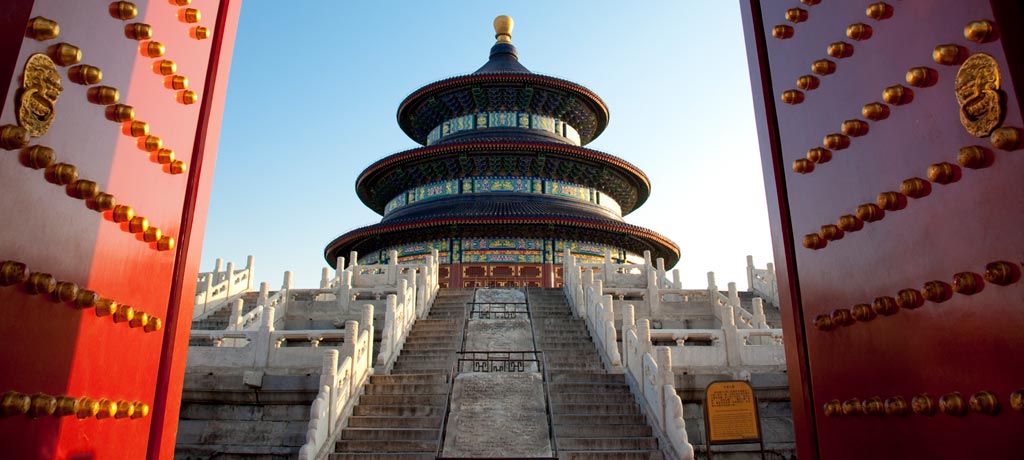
602, 431
568, 356
543, 328
437, 354
435, 370
445, 364
421, 355
253, 412
590, 364
435, 330
610, 455
421, 364
594, 409
369, 421
398, 411
586, 377
426, 346
435, 333
591, 398
596, 387
389, 434
447, 315
578, 347
555, 327
582, 367
437, 323
235, 432
564, 362
577, 444
450, 341
560, 329
564, 342
385, 446
397, 400
385, 456
559, 323
408, 378
427, 354
406, 388
621, 419
447, 309
567, 334
233, 451
431, 334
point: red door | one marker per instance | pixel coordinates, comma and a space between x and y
110, 118
890, 138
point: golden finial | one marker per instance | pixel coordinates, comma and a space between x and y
503, 28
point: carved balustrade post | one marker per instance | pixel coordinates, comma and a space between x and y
368, 327
230, 277
628, 324
329, 378
264, 294
261, 345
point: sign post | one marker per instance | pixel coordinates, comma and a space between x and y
731, 415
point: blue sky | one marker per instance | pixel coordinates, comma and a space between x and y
315, 85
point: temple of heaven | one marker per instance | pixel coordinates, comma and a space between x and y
502, 183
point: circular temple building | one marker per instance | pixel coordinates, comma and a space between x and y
502, 184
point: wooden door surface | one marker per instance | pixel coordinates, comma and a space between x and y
890, 139
110, 118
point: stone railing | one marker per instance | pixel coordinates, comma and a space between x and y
630, 278
262, 348
586, 298
649, 281
342, 380
650, 368
763, 282
216, 288
253, 318
650, 372
378, 281
654, 383
740, 316
726, 350
398, 320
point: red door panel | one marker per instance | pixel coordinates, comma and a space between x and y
53, 347
964, 222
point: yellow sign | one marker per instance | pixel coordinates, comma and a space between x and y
731, 411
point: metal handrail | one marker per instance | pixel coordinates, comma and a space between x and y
442, 431
546, 378
500, 357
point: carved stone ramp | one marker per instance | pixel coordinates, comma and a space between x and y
595, 416
497, 415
